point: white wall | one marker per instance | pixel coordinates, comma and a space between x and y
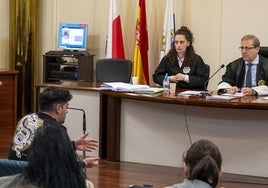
217, 25
160, 137
240, 18
204, 19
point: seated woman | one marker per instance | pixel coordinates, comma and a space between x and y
202, 166
182, 64
53, 162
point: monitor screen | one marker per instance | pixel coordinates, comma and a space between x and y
72, 36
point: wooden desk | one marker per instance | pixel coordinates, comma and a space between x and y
111, 109
156, 129
8, 108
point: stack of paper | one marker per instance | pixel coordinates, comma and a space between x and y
234, 95
150, 91
221, 97
123, 87
190, 92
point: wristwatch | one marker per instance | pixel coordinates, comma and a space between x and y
222, 91
254, 92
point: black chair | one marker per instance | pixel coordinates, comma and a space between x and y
264, 51
208, 71
113, 70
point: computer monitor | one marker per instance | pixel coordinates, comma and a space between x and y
72, 36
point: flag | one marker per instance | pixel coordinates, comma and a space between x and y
140, 63
168, 30
114, 42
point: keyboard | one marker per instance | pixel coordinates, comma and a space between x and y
64, 53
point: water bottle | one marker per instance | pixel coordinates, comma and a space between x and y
166, 84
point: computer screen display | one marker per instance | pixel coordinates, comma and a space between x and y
72, 36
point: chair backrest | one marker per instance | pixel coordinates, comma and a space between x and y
113, 70
208, 71
264, 51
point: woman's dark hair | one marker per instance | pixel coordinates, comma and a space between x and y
51, 96
53, 161
189, 54
204, 162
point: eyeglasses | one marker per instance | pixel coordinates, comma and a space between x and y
246, 48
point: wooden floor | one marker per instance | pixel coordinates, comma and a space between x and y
123, 174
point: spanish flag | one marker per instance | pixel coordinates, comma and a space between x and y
140, 65
115, 44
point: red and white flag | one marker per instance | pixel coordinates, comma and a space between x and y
115, 45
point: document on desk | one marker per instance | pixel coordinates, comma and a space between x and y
234, 95
123, 87
150, 91
190, 92
224, 97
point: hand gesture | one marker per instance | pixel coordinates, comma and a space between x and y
84, 144
91, 161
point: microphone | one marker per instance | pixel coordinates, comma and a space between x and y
84, 128
204, 94
84, 118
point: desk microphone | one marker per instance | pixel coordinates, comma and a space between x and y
84, 128
84, 117
204, 94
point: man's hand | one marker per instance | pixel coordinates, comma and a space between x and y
233, 90
91, 161
247, 91
84, 144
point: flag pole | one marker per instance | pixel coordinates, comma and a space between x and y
174, 25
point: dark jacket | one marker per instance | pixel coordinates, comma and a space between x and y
198, 74
24, 134
235, 72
